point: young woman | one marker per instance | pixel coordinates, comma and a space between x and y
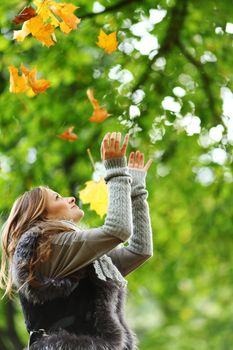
71, 281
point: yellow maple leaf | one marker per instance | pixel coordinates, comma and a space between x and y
96, 194
108, 42
40, 30
53, 11
20, 35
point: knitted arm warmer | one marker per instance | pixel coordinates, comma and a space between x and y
119, 217
141, 240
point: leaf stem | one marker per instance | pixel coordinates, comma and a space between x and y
91, 158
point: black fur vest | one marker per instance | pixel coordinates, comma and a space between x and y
80, 312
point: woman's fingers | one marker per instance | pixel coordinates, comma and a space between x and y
118, 141
104, 144
141, 160
137, 157
125, 144
110, 146
131, 160
105, 141
112, 141
137, 161
148, 164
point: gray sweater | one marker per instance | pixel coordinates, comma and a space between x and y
127, 219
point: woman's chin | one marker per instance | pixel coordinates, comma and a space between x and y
79, 216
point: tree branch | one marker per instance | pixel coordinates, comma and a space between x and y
171, 40
112, 8
2, 344
176, 23
206, 80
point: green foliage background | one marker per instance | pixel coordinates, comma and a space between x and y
181, 299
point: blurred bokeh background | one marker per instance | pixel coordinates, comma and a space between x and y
169, 84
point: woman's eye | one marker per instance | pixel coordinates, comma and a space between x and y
58, 197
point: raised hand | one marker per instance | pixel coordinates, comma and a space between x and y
137, 161
110, 146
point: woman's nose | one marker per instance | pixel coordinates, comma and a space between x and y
71, 200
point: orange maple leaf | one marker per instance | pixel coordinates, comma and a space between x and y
17, 83
50, 15
26, 81
36, 85
52, 11
108, 42
99, 114
41, 31
65, 12
25, 15
68, 135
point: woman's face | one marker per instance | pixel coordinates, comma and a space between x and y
62, 208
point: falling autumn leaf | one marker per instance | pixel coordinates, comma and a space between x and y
53, 11
41, 31
27, 81
68, 135
99, 114
65, 12
96, 194
108, 42
26, 14
17, 83
36, 85
50, 15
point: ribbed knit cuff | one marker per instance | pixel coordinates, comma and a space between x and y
117, 162
117, 167
138, 185
139, 176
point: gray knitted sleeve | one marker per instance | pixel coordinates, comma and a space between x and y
141, 240
74, 250
119, 216
140, 244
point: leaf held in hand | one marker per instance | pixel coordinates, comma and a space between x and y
99, 114
68, 135
108, 42
96, 194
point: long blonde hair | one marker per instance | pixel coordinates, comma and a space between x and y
28, 210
